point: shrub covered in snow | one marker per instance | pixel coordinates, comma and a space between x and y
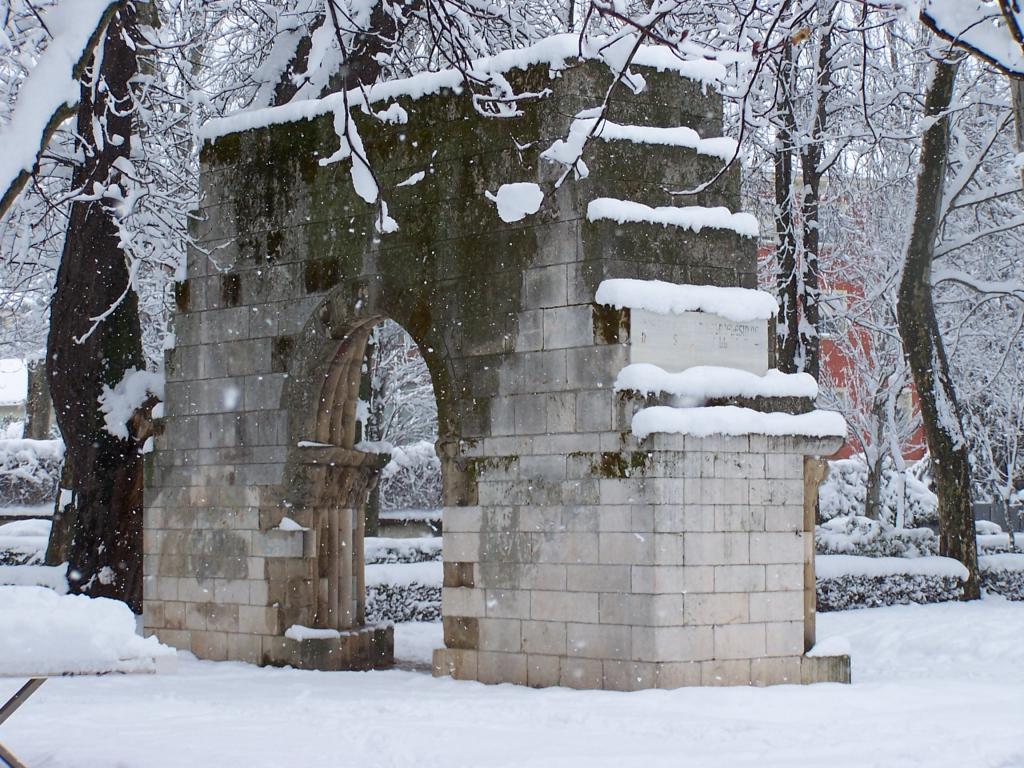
845, 490
29, 471
858, 535
845, 592
403, 602
412, 479
1003, 574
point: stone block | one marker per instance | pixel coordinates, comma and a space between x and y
739, 641
212, 646
658, 579
461, 632
824, 669
784, 638
717, 549
626, 548
503, 635
245, 648
777, 606
564, 606
775, 671
677, 674
259, 620
462, 601
593, 411
739, 578
715, 608
784, 576
461, 547
776, 547
629, 675
456, 663
725, 672
582, 674
568, 326
599, 641
462, 520
598, 578
566, 547
739, 517
544, 637
494, 667
542, 671
673, 643
507, 603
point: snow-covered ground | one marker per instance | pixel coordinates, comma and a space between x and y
935, 685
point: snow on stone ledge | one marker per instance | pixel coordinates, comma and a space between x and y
740, 305
838, 566
704, 382
300, 633
694, 217
555, 51
733, 421
49, 634
429, 574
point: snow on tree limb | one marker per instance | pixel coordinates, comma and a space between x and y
50, 93
989, 30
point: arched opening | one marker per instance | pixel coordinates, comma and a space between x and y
376, 420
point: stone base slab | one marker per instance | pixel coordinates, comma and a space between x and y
358, 649
540, 671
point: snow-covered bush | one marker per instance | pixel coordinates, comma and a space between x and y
412, 479
29, 471
1003, 575
849, 591
858, 535
403, 602
845, 490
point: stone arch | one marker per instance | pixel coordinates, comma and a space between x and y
555, 570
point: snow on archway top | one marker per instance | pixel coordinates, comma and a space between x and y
740, 305
556, 52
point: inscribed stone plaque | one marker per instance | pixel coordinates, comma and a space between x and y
677, 342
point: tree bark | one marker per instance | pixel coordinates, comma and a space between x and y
787, 328
922, 341
38, 404
103, 472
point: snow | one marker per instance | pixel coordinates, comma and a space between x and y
721, 147
1005, 561
411, 515
26, 449
703, 382
413, 180
517, 201
13, 381
299, 632
980, 26
694, 217
287, 524
118, 404
429, 574
740, 305
50, 84
376, 548
935, 686
556, 52
735, 421
50, 576
25, 537
831, 646
50, 634
837, 566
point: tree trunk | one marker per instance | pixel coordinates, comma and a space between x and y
810, 168
787, 328
103, 472
922, 340
37, 406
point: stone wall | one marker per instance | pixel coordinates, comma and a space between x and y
573, 555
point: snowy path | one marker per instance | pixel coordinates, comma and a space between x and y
939, 685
